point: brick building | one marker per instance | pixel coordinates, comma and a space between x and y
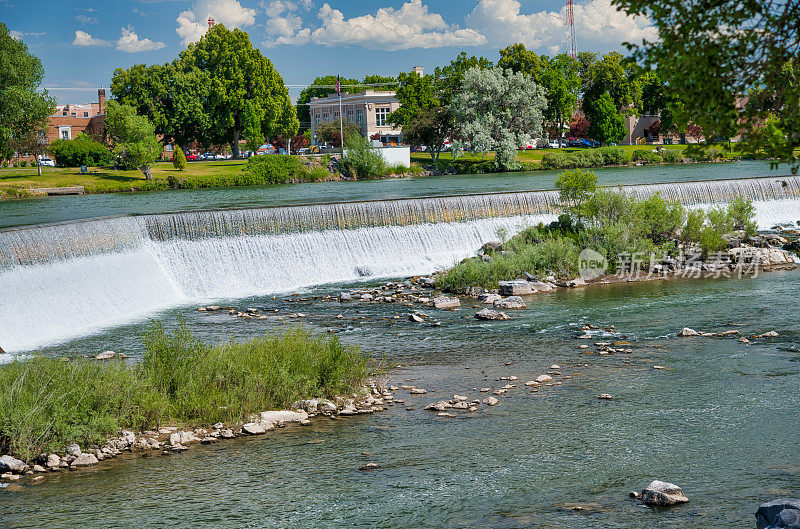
367, 109
70, 120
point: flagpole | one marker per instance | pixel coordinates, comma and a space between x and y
341, 118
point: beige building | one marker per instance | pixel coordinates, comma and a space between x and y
368, 109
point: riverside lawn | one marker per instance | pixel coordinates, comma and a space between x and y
48, 403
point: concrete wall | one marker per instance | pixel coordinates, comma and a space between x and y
396, 155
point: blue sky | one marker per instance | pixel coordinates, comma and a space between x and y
81, 43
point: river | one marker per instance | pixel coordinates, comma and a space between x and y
720, 420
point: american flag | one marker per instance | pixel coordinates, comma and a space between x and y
338, 84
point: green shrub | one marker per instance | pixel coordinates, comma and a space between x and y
83, 150
178, 159
272, 169
661, 220
742, 213
693, 228
558, 160
711, 241
23, 163
315, 174
646, 157
720, 220
5, 163
362, 161
614, 155
671, 156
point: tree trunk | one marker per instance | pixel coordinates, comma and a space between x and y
560, 129
235, 144
38, 167
146, 170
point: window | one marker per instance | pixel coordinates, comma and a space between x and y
65, 133
350, 116
169, 147
360, 117
86, 114
380, 116
64, 113
73, 114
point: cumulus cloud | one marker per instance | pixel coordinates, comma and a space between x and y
84, 39
411, 26
596, 21
193, 24
129, 42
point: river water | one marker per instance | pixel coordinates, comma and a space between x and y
720, 420
63, 208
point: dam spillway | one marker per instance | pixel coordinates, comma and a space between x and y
67, 280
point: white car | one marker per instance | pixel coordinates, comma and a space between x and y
553, 144
46, 162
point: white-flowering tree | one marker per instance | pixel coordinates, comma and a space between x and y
497, 110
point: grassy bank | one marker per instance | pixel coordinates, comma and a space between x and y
47, 403
609, 222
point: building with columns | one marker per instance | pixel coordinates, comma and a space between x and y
368, 109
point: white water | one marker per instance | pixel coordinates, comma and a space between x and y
69, 280
67, 298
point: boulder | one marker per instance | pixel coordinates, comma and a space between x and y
444, 302
345, 296
491, 401
488, 298
106, 355
416, 318
489, 314
770, 334
544, 378
418, 391
182, 438
438, 406
370, 466
686, 331
283, 417
511, 302
74, 450
11, 464
53, 461
663, 494
326, 406
256, 428
491, 246
84, 460
779, 514
518, 287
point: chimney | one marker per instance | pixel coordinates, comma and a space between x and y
418, 70
101, 99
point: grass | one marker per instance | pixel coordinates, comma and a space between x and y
48, 403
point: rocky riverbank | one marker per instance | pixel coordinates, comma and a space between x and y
167, 440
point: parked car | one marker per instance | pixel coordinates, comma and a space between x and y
46, 162
552, 144
192, 157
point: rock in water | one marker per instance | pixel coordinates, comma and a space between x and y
489, 314
106, 355
84, 460
663, 494
11, 464
782, 513
511, 302
686, 331
370, 466
444, 302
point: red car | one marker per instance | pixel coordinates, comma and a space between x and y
192, 157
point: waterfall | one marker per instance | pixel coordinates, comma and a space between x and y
66, 280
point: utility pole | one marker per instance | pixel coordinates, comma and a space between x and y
341, 118
573, 49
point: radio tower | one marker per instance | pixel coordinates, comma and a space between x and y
573, 51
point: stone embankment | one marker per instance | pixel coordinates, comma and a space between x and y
373, 397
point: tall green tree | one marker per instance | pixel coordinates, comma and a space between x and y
561, 81
450, 76
615, 76
172, 97
246, 95
23, 108
497, 110
607, 123
431, 127
133, 137
521, 60
714, 53
415, 93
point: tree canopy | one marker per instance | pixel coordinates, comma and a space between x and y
715, 54
133, 137
220, 90
607, 123
23, 109
497, 110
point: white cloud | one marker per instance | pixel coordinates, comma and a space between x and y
411, 26
86, 19
193, 24
129, 42
84, 39
597, 22
20, 34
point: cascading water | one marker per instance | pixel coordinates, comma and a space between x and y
67, 280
